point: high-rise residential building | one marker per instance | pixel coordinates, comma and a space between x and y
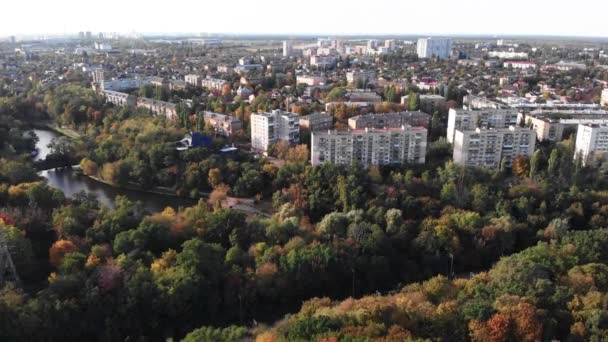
591, 142
270, 127
604, 100
429, 103
368, 147
470, 119
389, 120
489, 147
434, 47
98, 75
89, 35
555, 125
225, 125
287, 48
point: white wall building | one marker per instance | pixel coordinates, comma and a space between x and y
489, 147
508, 55
434, 47
287, 48
310, 80
591, 142
213, 83
270, 127
193, 79
464, 119
368, 147
360, 76
604, 100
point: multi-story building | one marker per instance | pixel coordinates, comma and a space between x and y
270, 127
604, 100
389, 120
311, 80
122, 84
490, 147
287, 48
428, 103
434, 47
520, 65
225, 125
193, 79
470, 119
362, 95
368, 147
316, 122
323, 62
158, 108
591, 142
554, 125
98, 75
213, 83
360, 76
508, 55
120, 99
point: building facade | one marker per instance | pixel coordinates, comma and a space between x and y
591, 142
389, 120
193, 79
428, 103
554, 125
316, 122
368, 147
489, 147
120, 99
360, 76
464, 119
270, 127
213, 83
604, 100
434, 47
158, 108
225, 125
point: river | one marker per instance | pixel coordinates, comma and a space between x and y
70, 183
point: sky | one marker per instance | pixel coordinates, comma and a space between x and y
323, 17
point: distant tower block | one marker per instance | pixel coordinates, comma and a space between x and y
8, 273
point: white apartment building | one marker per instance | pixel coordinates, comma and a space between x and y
488, 147
552, 125
213, 83
434, 47
591, 142
323, 61
508, 55
120, 99
604, 100
193, 79
98, 75
524, 65
310, 80
368, 147
270, 127
470, 119
360, 76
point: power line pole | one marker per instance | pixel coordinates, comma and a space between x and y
8, 273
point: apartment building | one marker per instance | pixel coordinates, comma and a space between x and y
213, 83
225, 125
323, 62
316, 122
428, 103
310, 80
270, 127
287, 48
120, 99
158, 108
98, 75
554, 125
486, 118
362, 95
434, 47
389, 120
520, 65
193, 79
489, 147
604, 100
360, 76
122, 84
591, 142
368, 147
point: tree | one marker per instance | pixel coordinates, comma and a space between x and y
59, 249
535, 163
553, 163
521, 166
215, 177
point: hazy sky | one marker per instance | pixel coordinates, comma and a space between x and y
556, 17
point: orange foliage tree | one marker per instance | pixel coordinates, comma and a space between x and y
59, 249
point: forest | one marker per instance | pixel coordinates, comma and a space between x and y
410, 252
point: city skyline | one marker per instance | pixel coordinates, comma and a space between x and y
471, 17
